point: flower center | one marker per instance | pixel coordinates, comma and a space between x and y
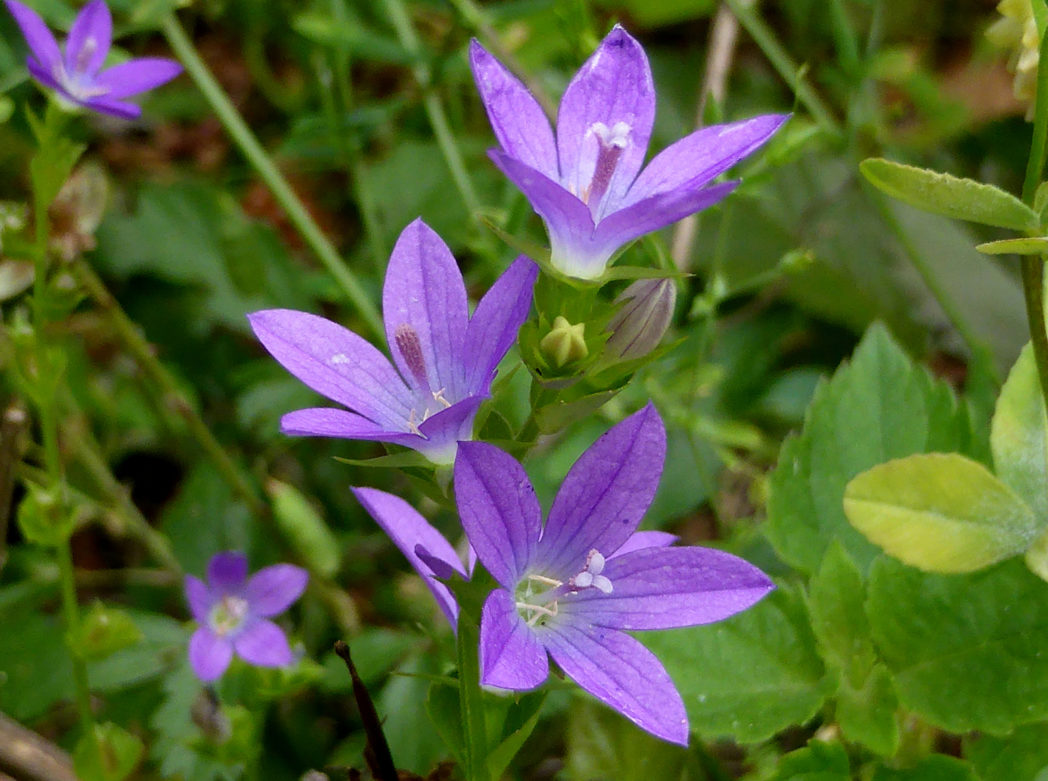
87, 51
537, 596
79, 85
612, 141
228, 615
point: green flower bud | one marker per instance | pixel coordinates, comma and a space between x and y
565, 342
1018, 31
645, 314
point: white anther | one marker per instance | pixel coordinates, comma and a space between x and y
438, 395
617, 135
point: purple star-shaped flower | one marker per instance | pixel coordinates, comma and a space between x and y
232, 610
446, 359
587, 183
76, 74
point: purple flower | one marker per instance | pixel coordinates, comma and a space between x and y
76, 74
567, 587
446, 359
587, 183
232, 610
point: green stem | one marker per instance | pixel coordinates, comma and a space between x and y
148, 362
263, 164
471, 706
1033, 292
438, 120
71, 613
780, 59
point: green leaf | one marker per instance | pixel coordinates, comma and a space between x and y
867, 713
303, 528
818, 761
104, 631
962, 199
110, 753
393, 460
1037, 245
934, 768
888, 408
520, 722
967, 651
1020, 756
442, 707
1019, 434
603, 744
940, 512
749, 676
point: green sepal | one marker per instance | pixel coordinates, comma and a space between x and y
107, 753
43, 520
103, 631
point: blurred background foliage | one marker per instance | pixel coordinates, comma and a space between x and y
786, 276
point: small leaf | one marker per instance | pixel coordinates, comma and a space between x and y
1037, 245
1019, 434
1022, 755
442, 707
818, 761
519, 724
835, 600
109, 753
940, 512
936, 767
867, 713
303, 528
104, 631
962, 199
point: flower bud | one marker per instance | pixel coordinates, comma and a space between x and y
565, 342
1017, 30
638, 326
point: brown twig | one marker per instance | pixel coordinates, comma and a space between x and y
376, 751
27, 756
14, 422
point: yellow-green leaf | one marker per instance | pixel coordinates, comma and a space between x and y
1019, 434
1032, 246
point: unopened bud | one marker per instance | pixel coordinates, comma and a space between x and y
639, 325
1017, 31
565, 342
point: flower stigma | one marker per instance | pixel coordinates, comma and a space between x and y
228, 615
612, 141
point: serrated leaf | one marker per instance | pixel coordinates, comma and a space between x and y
940, 512
1019, 434
303, 528
108, 753
749, 676
951, 196
1020, 756
867, 713
835, 600
967, 652
1037, 245
879, 407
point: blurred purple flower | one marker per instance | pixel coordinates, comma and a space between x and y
569, 589
586, 183
232, 610
76, 74
446, 359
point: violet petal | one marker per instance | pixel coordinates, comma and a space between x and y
42, 44
89, 39
425, 294
518, 120
336, 363
331, 422
614, 85
605, 494
209, 654
226, 572
115, 108
644, 539
198, 597
444, 430
511, 654
273, 589
666, 588
135, 76
498, 508
497, 319
45, 77
409, 530
622, 673
701, 156
263, 643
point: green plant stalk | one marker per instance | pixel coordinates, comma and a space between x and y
71, 614
264, 166
780, 59
162, 378
471, 706
438, 120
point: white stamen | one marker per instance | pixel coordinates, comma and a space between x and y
590, 576
617, 135
438, 396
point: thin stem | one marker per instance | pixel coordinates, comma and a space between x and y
471, 708
780, 59
147, 361
71, 613
438, 120
263, 164
1033, 293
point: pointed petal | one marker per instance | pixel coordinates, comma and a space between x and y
409, 531
114, 108
613, 86
645, 539
424, 290
511, 654
498, 508
198, 597
89, 39
656, 212
331, 422
209, 654
621, 673
335, 362
493, 328
42, 44
135, 76
446, 429
226, 572
264, 644
698, 158
273, 589
520, 124
666, 588
605, 494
